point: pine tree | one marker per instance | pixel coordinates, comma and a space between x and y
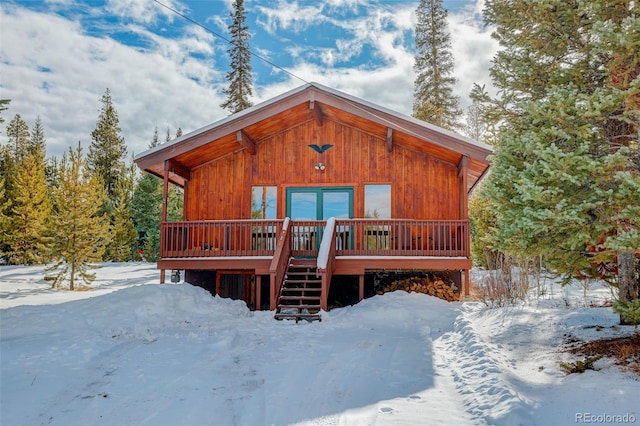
147, 209
79, 233
5, 223
481, 115
124, 236
29, 212
4, 105
239, 78
175, 198
18, 139
566, 170
107, 150
37, 142
434, 101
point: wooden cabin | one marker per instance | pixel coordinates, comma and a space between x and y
290, 199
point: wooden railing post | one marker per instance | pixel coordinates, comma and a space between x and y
327, 260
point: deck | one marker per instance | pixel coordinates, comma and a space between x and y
338, 246
360, 244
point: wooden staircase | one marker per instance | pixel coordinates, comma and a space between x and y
300, 293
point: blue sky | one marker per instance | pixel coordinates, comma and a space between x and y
57, 58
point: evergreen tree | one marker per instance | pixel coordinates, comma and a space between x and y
239, 78
30, 211
107, 150
5, 223
4, 105
175, 204
51, 173
566, 170
147, 209
124, 236
37, 142
481, 115
434, 101
79, 233
18, 139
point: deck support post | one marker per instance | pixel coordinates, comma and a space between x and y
467, 290
258, 284
360, 288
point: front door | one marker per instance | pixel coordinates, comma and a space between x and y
317, 203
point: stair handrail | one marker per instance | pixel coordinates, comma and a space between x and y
279, 263
326, 262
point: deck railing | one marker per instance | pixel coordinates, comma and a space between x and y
219, 238
354, 237
403, 237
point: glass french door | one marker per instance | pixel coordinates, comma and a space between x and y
318, 203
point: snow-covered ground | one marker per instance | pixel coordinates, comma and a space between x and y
131, 351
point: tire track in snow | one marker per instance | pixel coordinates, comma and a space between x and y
480, 375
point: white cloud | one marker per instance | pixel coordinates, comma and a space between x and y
144, 11
51, 68
289, 15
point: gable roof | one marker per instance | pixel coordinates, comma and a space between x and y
311, 101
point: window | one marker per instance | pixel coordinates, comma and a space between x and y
264, 201
377, 201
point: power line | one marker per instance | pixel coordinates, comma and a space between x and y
263, 59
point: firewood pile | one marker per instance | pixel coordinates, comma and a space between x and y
437, 287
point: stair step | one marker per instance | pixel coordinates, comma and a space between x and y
314, 292
300, 297
304, 262
301, 273
298, 317
299, 282
299, 306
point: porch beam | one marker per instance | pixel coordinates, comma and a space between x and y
246, 142
463, 175
389, 139
179, 169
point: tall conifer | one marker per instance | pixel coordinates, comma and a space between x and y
79, 233
124, 236
566, 170
239, 78
107, 150
30, 211
37, 142
147, 208
18, 138
5, 223
434, 101
4, 105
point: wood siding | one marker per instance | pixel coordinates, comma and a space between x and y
423, 187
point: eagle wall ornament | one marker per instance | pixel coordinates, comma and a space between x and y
320, 149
